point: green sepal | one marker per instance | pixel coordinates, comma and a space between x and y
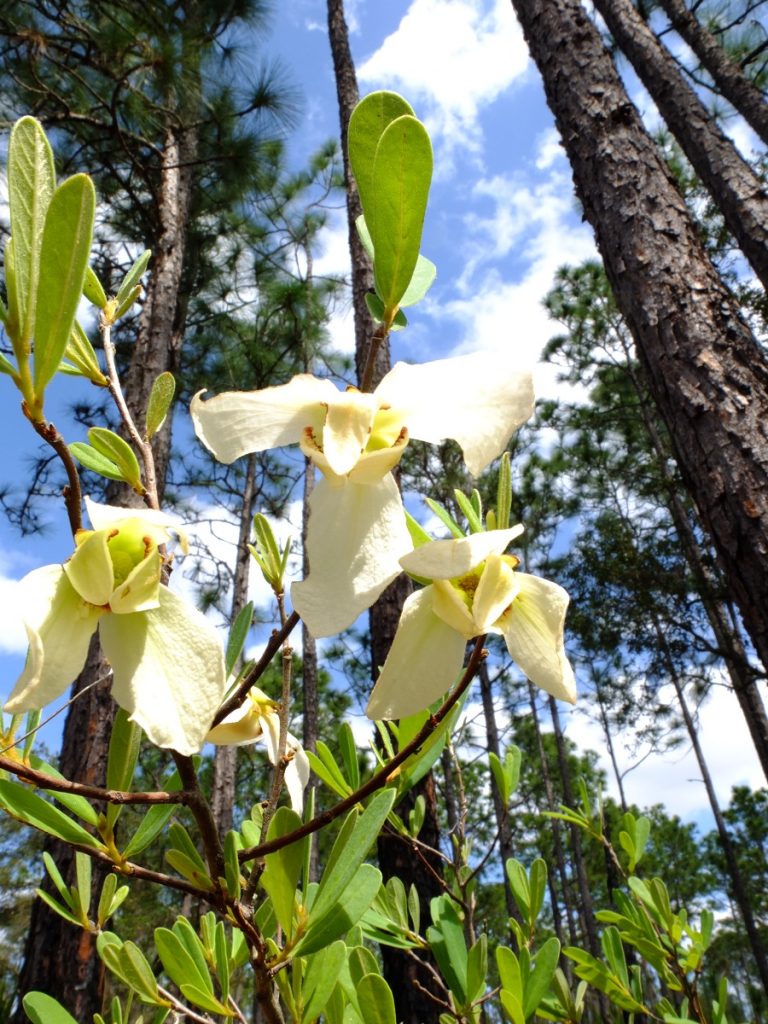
116, 450
160, 398
64, 257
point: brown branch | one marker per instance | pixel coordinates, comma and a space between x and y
378, 337
71, 493
214, 854
52, 784
257, 670
384, 775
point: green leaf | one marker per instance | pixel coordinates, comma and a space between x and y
283, 867
232, 864
194, 947
129, 300
540, 978
27, 806
206, 1001
93, 460
477, 969
377, 1004
238, 634
367, 123
80, 352
179, 964
63, 260
132, 278
31, 185
379, 314
402, 173
72, 801
337, 919
160, 398
124, 744
221, 957
93, 290
446, 940
445, 518
110, 900
130, 965
154, 821
43, 1009
348, 750
83, 875
346, 858
58, 908
422, 279
320, 979
114, 448
6, 366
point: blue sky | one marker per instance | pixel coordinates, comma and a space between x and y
502, 218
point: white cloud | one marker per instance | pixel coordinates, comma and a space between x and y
453, 57
333, 260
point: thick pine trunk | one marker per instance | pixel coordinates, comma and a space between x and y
403, 973
728, 77
706, 372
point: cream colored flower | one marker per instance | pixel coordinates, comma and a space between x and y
166, 658
357, 531
475, 589
256, 719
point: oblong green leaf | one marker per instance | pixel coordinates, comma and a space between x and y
367, 123
422, 279
93, 460
377, 1004
180, 966
402, 174
283, 867
31, 185
80, 352
238, 634
160, 398
349, 907
123, 755
132, 278
29, 807
64, 257
93, 290
44, 1009
113, 447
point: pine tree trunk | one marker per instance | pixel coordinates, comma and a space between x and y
707, 373
734, 872
729, 78
411, 1005
733, 184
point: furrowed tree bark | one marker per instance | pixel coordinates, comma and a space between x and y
412, 1006
708, 376
730, 80
734, 186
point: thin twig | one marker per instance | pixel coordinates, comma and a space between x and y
71, 493
381, 777
214, 854
378, 338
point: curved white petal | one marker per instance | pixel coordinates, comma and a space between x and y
533, 630
168, 667
425, 658
497, 589
347, 429
141, 590
90, 570
296, 773
59, 627
445, 559
449, 605
239, 728
356, 536
478, 400
158, 525
238, 422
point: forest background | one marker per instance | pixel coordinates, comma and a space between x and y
498, 244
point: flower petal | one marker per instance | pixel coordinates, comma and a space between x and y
156, 525
296, 773
497, 589
168, 667
238, 422
90, 569
59, 626
425, 658
476, 399
141, 590
240, 727
357, 534
347, 429
445, 559
533, 630
448, 603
